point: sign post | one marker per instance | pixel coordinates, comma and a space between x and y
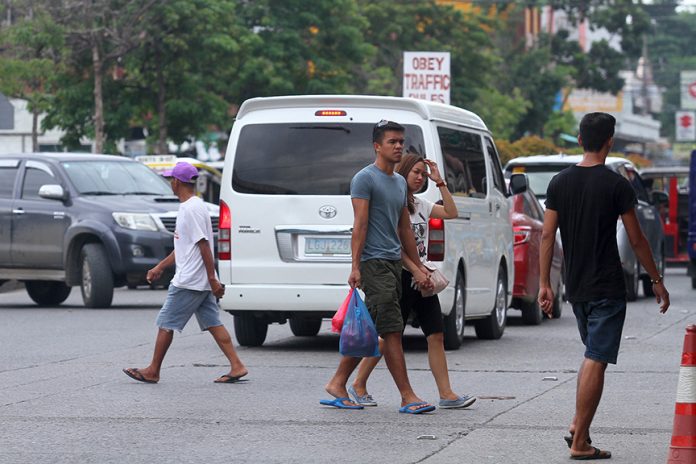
685, 126
427, 76
688, 90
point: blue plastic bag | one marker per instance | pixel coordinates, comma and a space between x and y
359, 337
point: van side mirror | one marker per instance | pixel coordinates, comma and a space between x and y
53, 192
518, 183
659, 198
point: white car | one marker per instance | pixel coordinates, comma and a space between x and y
286, 215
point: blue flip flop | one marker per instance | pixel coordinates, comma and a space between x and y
406, 409
338, 403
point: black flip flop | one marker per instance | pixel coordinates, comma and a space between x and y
598, 454
135, 374
230, 379
569, 440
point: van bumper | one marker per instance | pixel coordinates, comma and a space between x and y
283, 298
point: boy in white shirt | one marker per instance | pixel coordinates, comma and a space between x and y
195, 285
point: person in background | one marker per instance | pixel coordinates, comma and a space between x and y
195, 285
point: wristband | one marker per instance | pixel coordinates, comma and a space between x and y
442, 183
657, 281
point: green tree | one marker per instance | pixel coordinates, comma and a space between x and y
299, 50
31, 56
178, 80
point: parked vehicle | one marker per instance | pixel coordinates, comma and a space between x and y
209, 177
527, 217
669, 189
286, 215
97, 221
541, 169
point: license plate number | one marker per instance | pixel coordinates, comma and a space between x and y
327, 246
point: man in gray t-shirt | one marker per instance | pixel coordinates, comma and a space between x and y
381, 229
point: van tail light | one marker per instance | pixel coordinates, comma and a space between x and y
436, 240
521, 234
224, 233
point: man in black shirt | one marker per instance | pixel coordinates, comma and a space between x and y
585, 201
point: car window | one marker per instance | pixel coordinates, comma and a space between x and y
638, 186
538, 175
465, 164
8, 173
498, 179
36, 175
97, 177
307, 158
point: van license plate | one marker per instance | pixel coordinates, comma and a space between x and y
327, 246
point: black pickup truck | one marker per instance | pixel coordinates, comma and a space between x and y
97, 221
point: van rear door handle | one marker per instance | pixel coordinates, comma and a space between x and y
465, 216
18, 211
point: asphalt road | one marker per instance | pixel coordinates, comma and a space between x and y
64, 399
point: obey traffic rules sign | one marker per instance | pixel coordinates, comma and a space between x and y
688, 90
686, 126
427, 76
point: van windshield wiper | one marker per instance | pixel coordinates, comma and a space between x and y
338, 128
142, 193
98, 192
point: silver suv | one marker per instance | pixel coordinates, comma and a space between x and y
541, 169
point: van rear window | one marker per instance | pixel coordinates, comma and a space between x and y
306, 158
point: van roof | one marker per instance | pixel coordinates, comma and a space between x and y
425, 109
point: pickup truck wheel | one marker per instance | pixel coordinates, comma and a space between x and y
455, 321
305, 327
250, 330
47, 293
493, 326
531, 313
97, 281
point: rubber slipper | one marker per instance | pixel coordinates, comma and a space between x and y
424, 407
135, 374
338, 403
365, 400
598, 454
230, 379
569, 440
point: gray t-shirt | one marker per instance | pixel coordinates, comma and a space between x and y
387, 197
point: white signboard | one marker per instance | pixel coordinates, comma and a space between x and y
427, 76
688, 90
686, 126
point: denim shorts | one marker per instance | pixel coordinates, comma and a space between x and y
182, 303
600, 323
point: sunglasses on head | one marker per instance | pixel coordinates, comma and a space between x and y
382, 123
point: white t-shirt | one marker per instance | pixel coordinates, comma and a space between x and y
192, 225
419, 224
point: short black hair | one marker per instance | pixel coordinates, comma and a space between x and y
595, 130
384, 126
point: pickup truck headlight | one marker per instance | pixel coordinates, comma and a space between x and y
135, 221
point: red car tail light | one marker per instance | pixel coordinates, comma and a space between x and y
224, 233
436, 240
521, 234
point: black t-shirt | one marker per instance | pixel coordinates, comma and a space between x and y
589, 201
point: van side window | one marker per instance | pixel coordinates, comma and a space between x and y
8, 173
498, 179
462, 153
34, 178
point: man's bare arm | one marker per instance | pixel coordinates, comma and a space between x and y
209, 262
156, 272
548, 239
361, 209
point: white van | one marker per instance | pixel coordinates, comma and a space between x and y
286, 214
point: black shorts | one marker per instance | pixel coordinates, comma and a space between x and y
426, 309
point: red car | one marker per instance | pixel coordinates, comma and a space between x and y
527, 216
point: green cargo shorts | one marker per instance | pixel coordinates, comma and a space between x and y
381, 282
